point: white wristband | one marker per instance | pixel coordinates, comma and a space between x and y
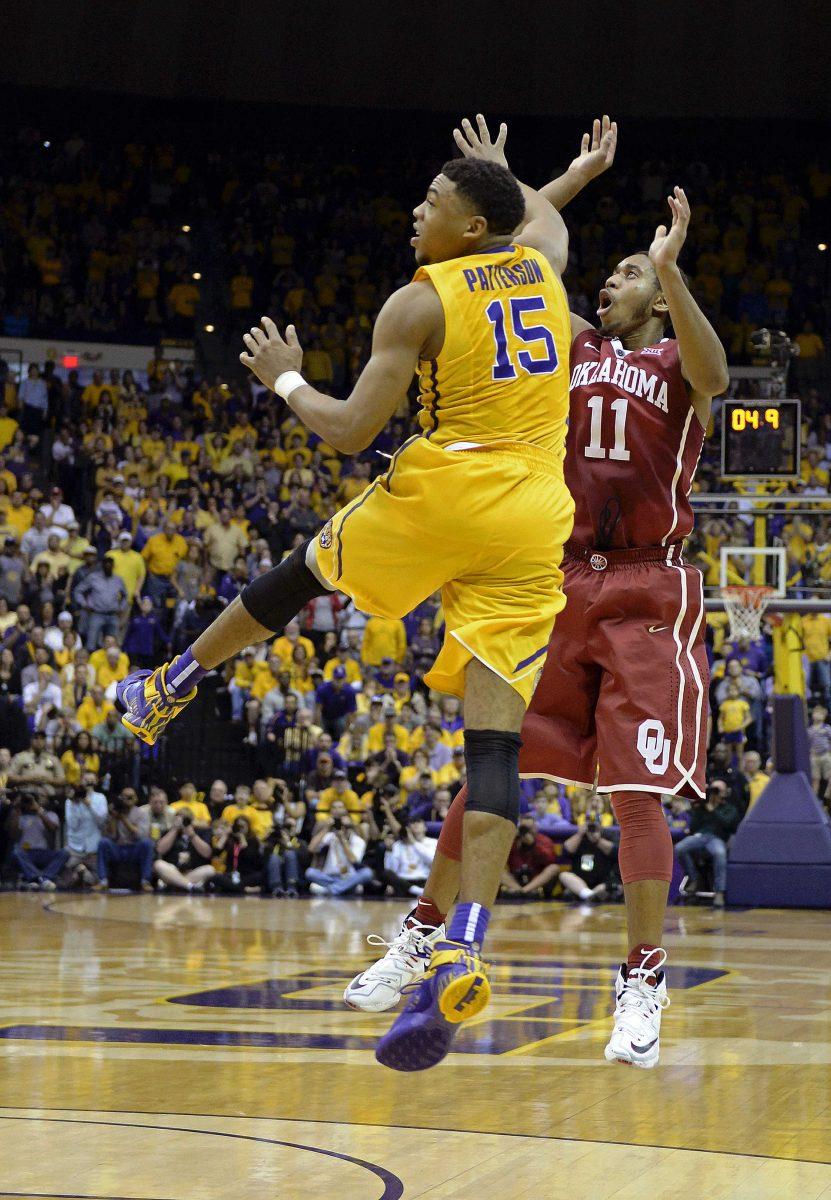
287, 383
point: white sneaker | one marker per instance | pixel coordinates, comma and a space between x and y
639, 1004
317, 889
408, 955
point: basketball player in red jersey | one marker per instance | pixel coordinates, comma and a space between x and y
622, 697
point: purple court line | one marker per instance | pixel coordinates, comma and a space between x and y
393, 1187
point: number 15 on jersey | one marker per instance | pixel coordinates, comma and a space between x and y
540, 357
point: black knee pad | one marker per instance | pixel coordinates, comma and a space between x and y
277, 597
492, 758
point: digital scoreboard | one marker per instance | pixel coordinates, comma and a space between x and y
760, 439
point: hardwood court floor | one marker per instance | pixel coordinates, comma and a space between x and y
178, 1048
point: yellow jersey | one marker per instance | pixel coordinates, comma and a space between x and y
502, 372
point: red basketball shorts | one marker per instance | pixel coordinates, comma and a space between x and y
622, 698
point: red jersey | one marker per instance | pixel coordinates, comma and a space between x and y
633, 444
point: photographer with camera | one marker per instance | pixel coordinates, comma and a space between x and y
283, 849
34, 829
156, 817
243, 865
184, 856
408, 861
123, 844
532, 862
340, 851
593, 859
713, 821
85, 816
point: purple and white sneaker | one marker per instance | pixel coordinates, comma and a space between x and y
454, 988
145, 704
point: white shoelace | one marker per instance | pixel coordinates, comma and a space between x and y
639, 999
409, 943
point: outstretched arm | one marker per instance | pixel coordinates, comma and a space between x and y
407, 320
543, 227
597, 153
703, 361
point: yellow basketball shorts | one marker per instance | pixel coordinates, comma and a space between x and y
486, 527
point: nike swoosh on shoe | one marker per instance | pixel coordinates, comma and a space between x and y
643, 1049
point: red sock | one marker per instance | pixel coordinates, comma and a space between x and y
426, 913
644, 956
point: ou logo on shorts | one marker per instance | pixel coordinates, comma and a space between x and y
653, 746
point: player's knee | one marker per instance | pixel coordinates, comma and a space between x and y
492, 757
646, 850
275, 598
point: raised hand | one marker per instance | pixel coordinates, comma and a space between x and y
269, 355
597, 149
477, 143
666, 246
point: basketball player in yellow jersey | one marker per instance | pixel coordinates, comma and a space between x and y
474, 504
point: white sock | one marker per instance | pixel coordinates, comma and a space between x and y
585, 893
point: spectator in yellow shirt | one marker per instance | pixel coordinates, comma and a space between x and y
224, 542
401, 693
128, 565
811, 467
756, 777
239, 689
8, 427
734, 718
283, 646
91, 395
383, 638
411, 775
19, 515
55, 558
389, 724
340, 790
93, 708
261, 808
112, 671
266, 676
182, 300
816, 640
79, 757
161, 552
191, 799
241, 807
343, 659
455, 770
99, 658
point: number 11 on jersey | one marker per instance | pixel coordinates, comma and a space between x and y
595, 448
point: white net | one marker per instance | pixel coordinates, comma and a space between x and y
745, 607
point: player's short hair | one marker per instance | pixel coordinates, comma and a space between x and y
684, 274
491, 189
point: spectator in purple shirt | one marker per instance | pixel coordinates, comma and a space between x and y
144, 635
752, 655
335, 703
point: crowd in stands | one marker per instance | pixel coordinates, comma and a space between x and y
135, 505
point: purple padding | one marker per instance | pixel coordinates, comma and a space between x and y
787, 798
787, 824
790, 738
780, 843
779, 886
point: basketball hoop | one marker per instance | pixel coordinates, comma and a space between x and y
745, 607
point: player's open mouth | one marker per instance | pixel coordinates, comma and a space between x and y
606, 300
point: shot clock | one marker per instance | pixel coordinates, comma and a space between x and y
760, 439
